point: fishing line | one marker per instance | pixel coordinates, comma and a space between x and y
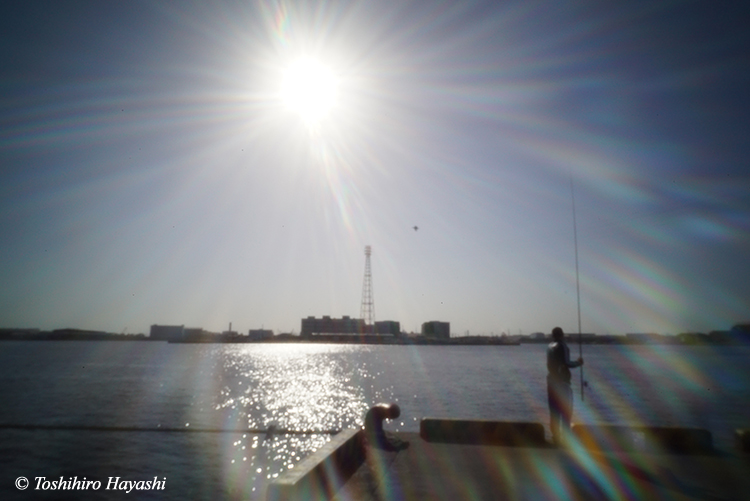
578, 284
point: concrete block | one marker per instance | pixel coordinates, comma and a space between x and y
652, 439
482, 432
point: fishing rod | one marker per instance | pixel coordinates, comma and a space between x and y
578, 283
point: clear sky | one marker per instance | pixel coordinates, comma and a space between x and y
151, 170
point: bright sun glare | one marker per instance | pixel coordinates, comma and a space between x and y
309, 88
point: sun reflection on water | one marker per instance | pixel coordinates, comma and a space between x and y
309, 390
302, 388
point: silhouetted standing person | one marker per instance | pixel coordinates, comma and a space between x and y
559, 392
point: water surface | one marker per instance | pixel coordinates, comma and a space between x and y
313, 389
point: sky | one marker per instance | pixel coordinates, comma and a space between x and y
151, 173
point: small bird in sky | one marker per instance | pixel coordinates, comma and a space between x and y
416, 228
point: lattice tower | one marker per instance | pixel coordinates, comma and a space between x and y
367, 311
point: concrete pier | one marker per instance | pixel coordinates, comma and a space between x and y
465, 459
322, 474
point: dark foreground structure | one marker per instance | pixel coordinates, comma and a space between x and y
465, 459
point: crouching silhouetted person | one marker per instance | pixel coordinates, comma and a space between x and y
559, 392
374, 433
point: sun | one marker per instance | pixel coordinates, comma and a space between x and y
309, 89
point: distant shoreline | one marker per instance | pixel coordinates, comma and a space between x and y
370, 340
282, 339
739, 335
373, 340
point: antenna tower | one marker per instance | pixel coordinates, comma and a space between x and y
367, 311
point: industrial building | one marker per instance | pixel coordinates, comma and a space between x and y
259, 334
167, 332
346, 325
436, 330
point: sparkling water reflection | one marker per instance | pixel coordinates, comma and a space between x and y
302, 388
292, 387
